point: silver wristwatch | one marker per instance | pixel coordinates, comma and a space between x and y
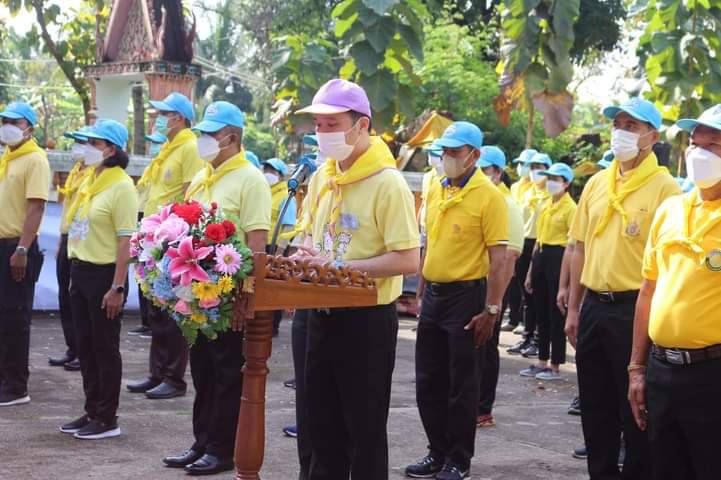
493, 309
21, 250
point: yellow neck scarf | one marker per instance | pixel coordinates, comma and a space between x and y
536, 196
504, 189
76, 177
9, 155
688, 240
376, 159
92, 186
213, 175
454, 197
638, 178
153, 171
549, 210
279, 187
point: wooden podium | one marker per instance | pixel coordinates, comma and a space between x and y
280, 283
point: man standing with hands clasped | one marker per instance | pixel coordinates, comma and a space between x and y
674, 391
610, 227
362, 215
463, 267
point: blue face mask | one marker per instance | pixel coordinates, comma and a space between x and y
155, 149
161, 124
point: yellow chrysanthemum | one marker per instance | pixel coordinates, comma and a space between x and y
226, 284
199, 318
205, 291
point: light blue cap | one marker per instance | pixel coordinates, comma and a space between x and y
310, 140
278, 165
253, 158
491, 156
78, 135
539, 157
559, 170
639, 109
110, 131
18, 110
175, 102
434, 150
605, 162
219, 115
710, 118
525, 156
156, 137
459, 134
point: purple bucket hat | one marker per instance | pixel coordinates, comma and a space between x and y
338, 96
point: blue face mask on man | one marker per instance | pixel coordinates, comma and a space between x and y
161, 125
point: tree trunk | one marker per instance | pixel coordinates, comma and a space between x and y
138, 120
529, 128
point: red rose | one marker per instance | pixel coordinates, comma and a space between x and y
229, 228
190, 212
215, 232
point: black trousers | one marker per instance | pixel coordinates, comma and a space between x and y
97, 338
216, 369
684, 419
447, 370
168, 349
349, 367
62, 273
299, 340
604, 350
16, 308
522, 307
545, 275
489, 367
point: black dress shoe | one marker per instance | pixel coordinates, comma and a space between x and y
72, 365
209, 465
61, 360
180, 461
142, 386
164, 390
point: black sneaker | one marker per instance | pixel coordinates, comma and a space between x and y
75, 425
575, 408
97, 429
139, 330
530, 351
451, 472
580, 453
427, 467
519, 347
10, 399
290, 383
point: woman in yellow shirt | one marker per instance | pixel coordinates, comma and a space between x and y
102, 218
554, 224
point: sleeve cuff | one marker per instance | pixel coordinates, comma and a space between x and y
403, 245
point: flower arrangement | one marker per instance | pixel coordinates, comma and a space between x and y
191, 262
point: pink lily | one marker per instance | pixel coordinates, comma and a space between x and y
185, 259
150, 223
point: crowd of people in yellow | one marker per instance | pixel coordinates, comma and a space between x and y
626, 275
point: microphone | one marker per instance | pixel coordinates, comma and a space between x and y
305, 167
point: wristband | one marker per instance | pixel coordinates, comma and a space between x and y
635, 366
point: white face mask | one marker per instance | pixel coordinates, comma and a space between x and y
77, 152
209, 147
333, 145
271, 178
454, 167
436, 163
11, 135
624, 144
320, 158
554, 187
93, 156
703, 166
536, 176
523, 170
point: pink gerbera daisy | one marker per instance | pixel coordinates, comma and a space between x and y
227, 259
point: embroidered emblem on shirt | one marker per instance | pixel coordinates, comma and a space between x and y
349, 221
713, 260
633, 229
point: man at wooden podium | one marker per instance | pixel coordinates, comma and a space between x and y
463, 269
362, 216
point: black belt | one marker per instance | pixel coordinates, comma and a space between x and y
9, 242
82, 263
441, 288
680, 356
629, 296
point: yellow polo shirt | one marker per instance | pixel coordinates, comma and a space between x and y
113, 213
74, 185
466, 230
279, 194
377, 216
178, 169
519, 188
532, 200
686, 305
515, 220
26, 178
554, 224
242, 194
614, 258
